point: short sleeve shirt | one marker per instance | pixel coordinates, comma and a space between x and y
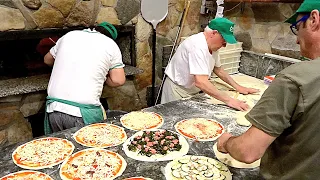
192, 58
289, 110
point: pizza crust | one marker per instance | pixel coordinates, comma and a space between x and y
230, 161
45, 176
41, 167
168, 168
158, 157
123, 120
208, 139
122, 168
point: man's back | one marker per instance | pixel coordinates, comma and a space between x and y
295, 153
82, 61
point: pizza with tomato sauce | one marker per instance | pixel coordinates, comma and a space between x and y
137, 178
139, 120
100, 135
29, 175
42, 153
94, 164
200, 129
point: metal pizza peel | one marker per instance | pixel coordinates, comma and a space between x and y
154, 11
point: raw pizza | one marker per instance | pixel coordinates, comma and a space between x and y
94, 164
100, 135
137, 178
155, 145
27, 175
200, 129
197, 167
139, 120
42, 153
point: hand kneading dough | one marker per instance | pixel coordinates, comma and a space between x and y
240, 119
228, 160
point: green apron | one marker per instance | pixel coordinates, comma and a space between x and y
90, 113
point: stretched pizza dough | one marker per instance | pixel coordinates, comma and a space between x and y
228, 160
240, 119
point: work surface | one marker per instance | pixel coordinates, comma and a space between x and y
172, 113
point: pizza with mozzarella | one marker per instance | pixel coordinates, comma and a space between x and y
155, 145
197, 167
200, 129
27, 175
139, 120
94, 164
137, 178
42, 153
100, 135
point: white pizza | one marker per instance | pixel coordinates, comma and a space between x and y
140, 120
155, 145
196, 167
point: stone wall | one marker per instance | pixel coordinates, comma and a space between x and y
261, 27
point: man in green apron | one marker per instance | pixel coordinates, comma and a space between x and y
82, 60
285, 121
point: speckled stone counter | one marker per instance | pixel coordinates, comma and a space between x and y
37, 83
172, 113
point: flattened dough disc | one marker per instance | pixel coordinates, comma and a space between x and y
230, 161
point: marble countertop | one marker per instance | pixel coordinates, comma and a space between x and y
37, 83
172, 113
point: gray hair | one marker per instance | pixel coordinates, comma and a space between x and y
207, 29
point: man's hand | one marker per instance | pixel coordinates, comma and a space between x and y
222, 141
245, 90
237, 104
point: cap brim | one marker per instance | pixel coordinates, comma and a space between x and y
292, 19
229, 38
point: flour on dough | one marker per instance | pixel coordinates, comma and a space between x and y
228, 160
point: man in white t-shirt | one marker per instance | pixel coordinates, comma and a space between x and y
196, 57
83, 60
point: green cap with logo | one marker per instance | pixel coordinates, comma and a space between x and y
306, 6
110, 28
225, 28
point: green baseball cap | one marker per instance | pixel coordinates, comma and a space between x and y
306, 6
110, 28
225, 28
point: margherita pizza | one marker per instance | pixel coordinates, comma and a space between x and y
29, 175
137, 178
155, 145
197, 167
94, 164
200, 129
100, 135
42, 153
139, 120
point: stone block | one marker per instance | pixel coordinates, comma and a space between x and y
267, 12
32, 4
143, 30
3, 137
32, 103
64, 6
246, 39
48, 17
249, 63
13, 98
108, 2
286, 46
260, 31
11, 19
19, 131
126, 10
108, 14
8, 115
82, 14
261, 46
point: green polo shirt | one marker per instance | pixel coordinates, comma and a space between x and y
290, 110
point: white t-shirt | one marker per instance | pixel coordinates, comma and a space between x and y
82, 61
192, 57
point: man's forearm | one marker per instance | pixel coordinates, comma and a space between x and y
209, 88
227, 78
